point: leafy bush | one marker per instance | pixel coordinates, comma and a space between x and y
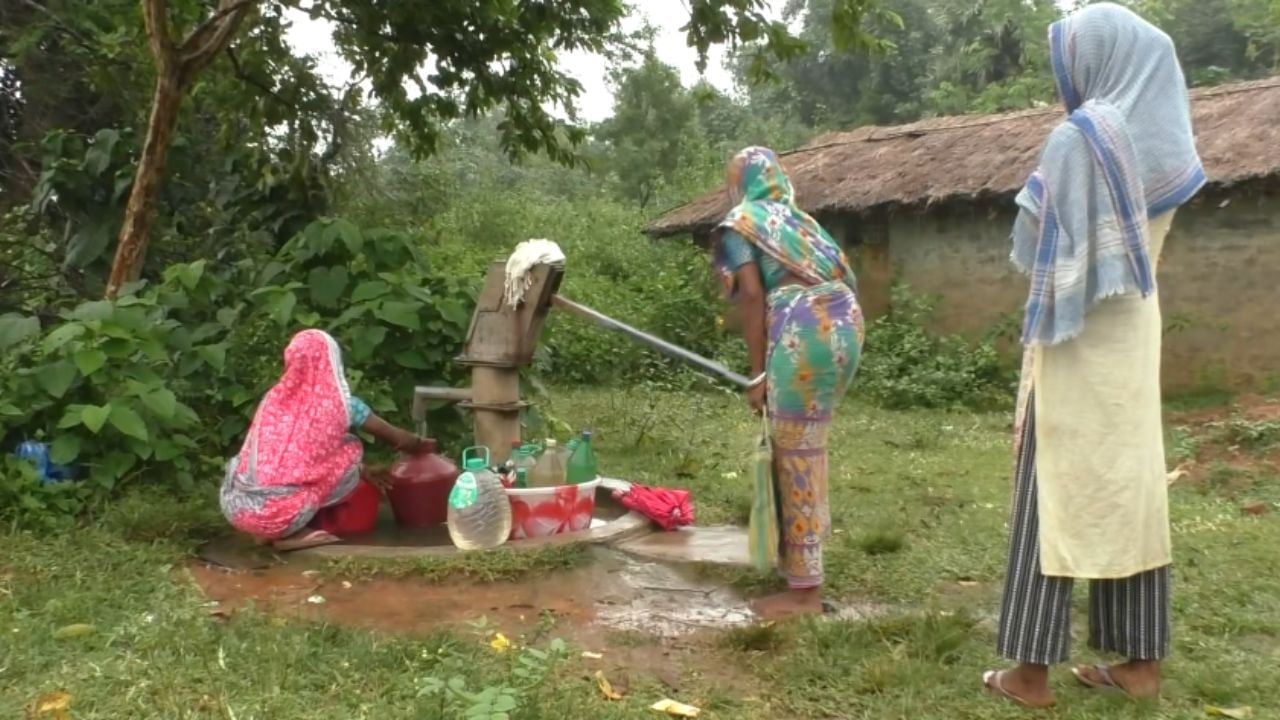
160, 385
906, 366
106, 387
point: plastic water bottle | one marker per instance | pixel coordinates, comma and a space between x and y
582, 461
523, 458
550, 469
479, 513
37, 453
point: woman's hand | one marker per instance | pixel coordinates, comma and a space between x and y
756, 398
378, 476
410, 444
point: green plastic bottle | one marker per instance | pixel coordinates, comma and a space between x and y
582, 463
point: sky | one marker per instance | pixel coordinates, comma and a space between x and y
596, 102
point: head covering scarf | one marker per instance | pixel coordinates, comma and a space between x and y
765, 214
1124, 155
299, 449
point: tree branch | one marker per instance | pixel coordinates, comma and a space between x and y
156, 15
213, 35
238, 70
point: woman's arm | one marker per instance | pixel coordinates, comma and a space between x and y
751, 319
388, 434
751, 315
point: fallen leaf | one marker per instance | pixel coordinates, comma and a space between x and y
1239, 713
220, 614
606, 689
591, 655
55, 705
316, 599
671, 707
74, 631
500, 643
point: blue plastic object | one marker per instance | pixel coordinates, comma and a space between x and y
37, 453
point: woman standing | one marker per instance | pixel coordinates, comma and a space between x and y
1091, 499
301, 454
799, 314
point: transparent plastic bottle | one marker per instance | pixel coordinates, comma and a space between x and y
524, 460
550, 468
479, 514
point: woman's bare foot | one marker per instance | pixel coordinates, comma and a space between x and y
305, 538
789, 604
1135, 678
1026, 685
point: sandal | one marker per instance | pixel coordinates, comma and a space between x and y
993, 680
1104, 681
305, 539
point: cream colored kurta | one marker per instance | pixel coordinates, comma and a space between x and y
1100, 468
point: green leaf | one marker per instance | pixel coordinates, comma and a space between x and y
369, 290
94, 310
117, 464
281, 307
189, 274
228, 316
404, 314
95, 416
10, 410
65, 449
98, 157
453, 311
165, 450
56, 378
348, 232
71, 417
16, 328
412, 359
89, 360
327, 285
141, 448
127, 421
62, 335
365, 340
162, 402
215, 355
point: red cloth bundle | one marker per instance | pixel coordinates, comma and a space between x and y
666, 507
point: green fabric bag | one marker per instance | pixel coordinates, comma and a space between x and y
762, 531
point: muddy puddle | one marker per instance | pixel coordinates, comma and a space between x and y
615, 592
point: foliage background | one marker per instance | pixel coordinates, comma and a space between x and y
290, 203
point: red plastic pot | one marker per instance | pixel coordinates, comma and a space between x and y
356, 515
420, 486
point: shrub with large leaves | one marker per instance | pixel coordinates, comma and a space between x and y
104, 387
159, 386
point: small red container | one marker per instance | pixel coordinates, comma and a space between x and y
420, 486
355, 515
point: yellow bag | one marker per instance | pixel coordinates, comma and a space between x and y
762, 531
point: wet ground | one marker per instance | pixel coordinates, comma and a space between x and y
614, 592
632, 617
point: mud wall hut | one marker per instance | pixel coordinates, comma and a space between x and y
931, 204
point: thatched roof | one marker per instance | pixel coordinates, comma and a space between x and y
988, 157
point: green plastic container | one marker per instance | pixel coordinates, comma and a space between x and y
582, 462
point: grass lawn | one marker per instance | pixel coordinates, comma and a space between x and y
920, 502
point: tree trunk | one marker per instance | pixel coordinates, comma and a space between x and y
131, 246
176, 70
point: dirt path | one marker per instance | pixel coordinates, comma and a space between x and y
641, 618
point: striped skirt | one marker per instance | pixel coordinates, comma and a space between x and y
1127, 616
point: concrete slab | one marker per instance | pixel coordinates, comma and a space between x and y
716, 545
